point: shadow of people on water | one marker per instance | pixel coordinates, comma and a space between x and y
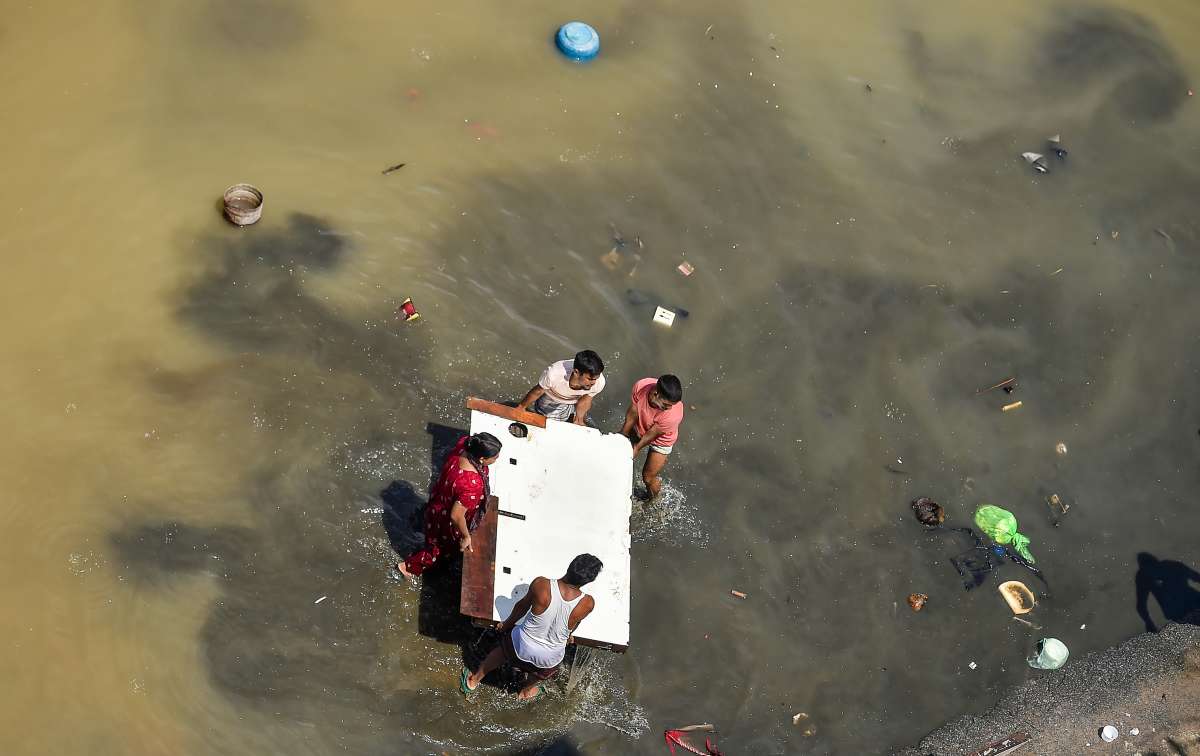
1170, 583
438, 615
563, 746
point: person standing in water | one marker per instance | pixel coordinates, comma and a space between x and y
535, 635
566, 389
652, 420
458, 502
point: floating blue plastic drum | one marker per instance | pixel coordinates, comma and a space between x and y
577, 41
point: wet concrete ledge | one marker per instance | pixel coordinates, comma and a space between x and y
1151, 682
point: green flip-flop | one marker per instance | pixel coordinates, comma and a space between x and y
541, 691
462, 683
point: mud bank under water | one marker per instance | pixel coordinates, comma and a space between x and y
1151, 683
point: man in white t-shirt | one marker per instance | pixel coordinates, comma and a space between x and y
566, 389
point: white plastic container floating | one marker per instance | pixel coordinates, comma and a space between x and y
560, 490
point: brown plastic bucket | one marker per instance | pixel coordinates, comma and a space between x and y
243, 204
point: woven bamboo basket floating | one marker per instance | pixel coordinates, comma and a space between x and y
243, 204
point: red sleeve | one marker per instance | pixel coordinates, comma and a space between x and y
468, 489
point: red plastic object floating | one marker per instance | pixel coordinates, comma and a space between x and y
686, 268
675, 738
409, 310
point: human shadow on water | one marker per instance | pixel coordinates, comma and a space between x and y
563, 746
438, 615
1170, 583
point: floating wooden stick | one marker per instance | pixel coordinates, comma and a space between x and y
1009, 407
738, 594
394, 168
1001, 384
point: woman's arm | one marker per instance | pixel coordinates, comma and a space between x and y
458, 516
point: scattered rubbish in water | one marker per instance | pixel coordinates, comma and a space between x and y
611, 260
867, 87
1011, 407
1060, 448
393, 168
688, 737
664, 316
1037, 160
577, 41
1083, 626
916, 601
243, 204
686, 268
1056, 504
1135, 732
1003, 746
972, 665
800, 717
738, 594
1018, 596
1163, 234
1054, 144
1108, 733
1024, 621
1055, 273
809, 732
320, 599
1115, 234
1001, 526
1051, 654
928, 512
408, 310
1002, 384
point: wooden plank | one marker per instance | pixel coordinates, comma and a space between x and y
506, 412
479, 567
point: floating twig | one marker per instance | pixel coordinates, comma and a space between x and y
1055, 273
394, 168
1001, 384
1010, 407
1163, 234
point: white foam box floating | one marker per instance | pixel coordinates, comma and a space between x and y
664, 316
562, 490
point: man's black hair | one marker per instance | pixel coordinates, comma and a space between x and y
670, 388
583, 570
589, 362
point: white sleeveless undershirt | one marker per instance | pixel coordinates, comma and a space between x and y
541, 639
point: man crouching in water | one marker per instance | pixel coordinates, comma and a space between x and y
534, 637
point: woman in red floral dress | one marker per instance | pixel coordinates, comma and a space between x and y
457, 503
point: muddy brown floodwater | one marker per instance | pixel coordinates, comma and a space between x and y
201, 419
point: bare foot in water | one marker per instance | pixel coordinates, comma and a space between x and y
404, 571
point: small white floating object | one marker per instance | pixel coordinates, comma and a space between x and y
1109, 733
1037, 160
320, 599
1135, 731
664, 316
972, 665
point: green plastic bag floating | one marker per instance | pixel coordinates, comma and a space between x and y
1001, 527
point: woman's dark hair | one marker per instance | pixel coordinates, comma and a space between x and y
589, 362
670, 388
481, 446
583, 570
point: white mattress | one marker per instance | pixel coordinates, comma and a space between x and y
573, 485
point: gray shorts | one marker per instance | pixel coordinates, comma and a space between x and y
552, 409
